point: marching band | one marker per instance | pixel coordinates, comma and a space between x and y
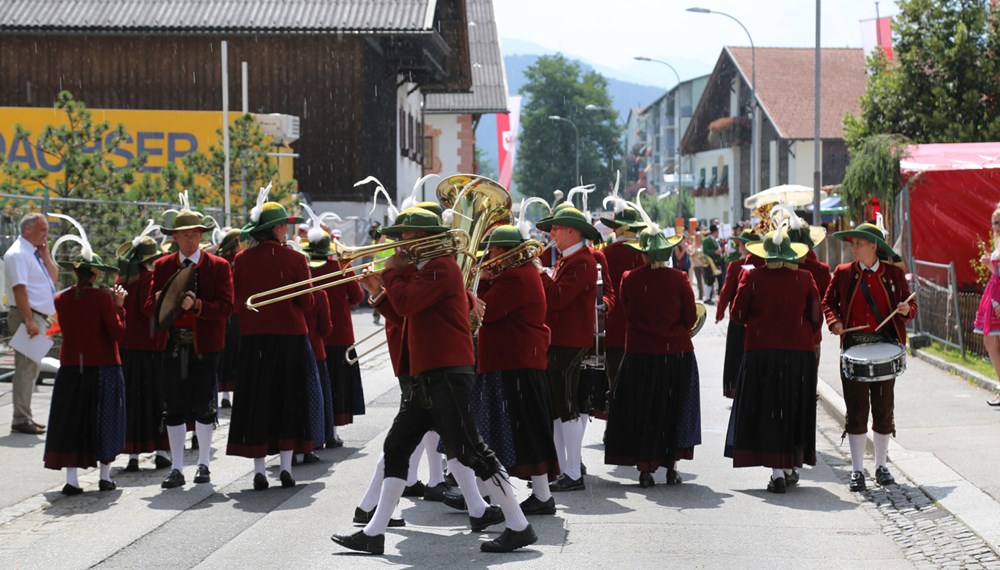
503, 349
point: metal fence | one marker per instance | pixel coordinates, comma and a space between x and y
943, 313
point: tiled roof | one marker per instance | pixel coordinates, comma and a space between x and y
207, 16
786, 88
489, 79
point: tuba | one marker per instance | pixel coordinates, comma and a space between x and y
477, 204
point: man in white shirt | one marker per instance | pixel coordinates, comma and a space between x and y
31, 275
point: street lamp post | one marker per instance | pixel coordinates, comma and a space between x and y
677, 130
577, 131
737, 207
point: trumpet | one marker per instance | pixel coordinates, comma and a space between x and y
419, 249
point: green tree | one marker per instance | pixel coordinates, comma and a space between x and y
482, 164
546, 148
942, 86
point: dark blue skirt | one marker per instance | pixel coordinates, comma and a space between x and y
86, 417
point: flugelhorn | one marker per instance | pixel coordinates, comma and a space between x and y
417, 249
516, 256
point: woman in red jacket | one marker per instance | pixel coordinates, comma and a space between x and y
229, 358
655, 416
773, 418
140, 356
735, 331
277, 365
87, 414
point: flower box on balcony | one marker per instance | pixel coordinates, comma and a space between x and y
729, 131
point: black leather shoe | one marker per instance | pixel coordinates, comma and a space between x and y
435, 493
791, 477
455, 500
532, 506
776, 485
161, 462
132, 467
70, 490
103, 485
310, 457
226, 403
260, 482
286, 480
566, 483
450, 480
27, 427
361, 517
583, 469
194, 442
202, 475
361, 542
414, 490
492, 516
883, 477
857, 482
335, 443
510, 540
646, 480
174, 479
673, 477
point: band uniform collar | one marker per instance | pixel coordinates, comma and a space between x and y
195, 257
572, 249
874, 266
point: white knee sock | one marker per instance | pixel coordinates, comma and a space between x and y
163, 453
259, 464
881, 442
777, 473
503, 494
435, 467
132, 456
71, 478
411, 475
105, 469
573, 434
227, 396
584, 420
204, 433
857, 441
370, 499
176, 436
467, 484
392, 490
560, 441
285, 456
540, 487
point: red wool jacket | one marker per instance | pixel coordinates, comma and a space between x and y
780, 308
570, 298
435, 309
513, 334
610, 281
265, 266
393, 328
620, 258
340, 299
842, 294
319, 324
659, 310
214, 289
141, 330
91, 327
821, 275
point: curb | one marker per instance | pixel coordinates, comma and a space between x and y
972, 376
969, 504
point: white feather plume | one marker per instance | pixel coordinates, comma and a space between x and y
315, 232
412, 199
580, 190
778, 235
523, 224
150, 228
185, 202
618, 179
85, 249
651, 226
261, 199
557, 196
448, 216
781, 212
880, 223
379, 189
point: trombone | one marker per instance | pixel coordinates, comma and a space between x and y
449, 243
352, 360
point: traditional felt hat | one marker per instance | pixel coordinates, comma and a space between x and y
265, 215
569, 217
746, 236
868, 232
655, 245
505, 236
131, 255
430, 207
415, 220
187, 219
94, 263
627, 217
807, 234
86, 259
230, 242
777, 246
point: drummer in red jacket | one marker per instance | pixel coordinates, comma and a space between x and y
862, 294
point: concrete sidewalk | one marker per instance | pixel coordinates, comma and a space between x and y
946, 437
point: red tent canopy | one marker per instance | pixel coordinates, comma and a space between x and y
954, 189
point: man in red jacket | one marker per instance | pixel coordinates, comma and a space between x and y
571, 294
862, 294
192, 345
435, 309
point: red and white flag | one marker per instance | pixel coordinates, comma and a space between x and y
877, 32
507, 128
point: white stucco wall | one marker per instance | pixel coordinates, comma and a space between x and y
446, 154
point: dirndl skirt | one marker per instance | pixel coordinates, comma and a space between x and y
773, 419
654, 417
513, 411
329, 426
345, 382
229, 358
273, 411
593, 392
143, 402
735, 337
86, 417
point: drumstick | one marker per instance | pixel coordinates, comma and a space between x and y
893, 314
853, 329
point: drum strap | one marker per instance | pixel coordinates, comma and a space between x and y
871, 302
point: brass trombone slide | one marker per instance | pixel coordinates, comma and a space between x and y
352, 360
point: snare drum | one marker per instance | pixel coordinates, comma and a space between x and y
874, 362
